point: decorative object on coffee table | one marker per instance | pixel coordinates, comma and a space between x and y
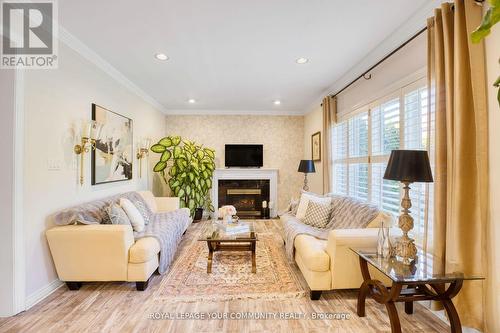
227, 212
407, 166
422, 281
306, 166
316, 146
187, 168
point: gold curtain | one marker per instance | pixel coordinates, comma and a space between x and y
457, 73
329, 119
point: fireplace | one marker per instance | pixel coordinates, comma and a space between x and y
246, 195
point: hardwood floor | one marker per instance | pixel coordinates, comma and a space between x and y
118, 307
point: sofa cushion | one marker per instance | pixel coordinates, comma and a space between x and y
317, 214
150, 200
304, 202
144, 249
133, 214
386, 218
117, 215
312, 251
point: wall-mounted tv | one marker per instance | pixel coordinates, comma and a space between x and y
244, 156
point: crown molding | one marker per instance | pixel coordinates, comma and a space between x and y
414, 24
81, 48
208, 112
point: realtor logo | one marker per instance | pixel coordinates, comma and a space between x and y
29, 38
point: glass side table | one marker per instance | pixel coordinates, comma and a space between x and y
424, 279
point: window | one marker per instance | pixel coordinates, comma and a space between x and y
363, 143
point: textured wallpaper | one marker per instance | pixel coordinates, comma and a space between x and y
282, 137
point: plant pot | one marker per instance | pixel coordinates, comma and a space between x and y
198, 214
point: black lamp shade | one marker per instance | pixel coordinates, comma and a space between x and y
306, 166
409, 166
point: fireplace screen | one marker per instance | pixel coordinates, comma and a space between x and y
245, 195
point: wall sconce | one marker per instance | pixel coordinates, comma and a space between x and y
91, 132
142, 152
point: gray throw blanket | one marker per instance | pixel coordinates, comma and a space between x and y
167, 228
347, 213
293, 228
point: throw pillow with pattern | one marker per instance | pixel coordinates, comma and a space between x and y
117, 215
143, 210
317, 214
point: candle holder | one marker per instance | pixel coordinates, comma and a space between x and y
91, 133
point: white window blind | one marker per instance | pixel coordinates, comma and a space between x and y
362, 145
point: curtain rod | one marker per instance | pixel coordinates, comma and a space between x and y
380, 61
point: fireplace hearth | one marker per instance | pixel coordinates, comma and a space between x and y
245, 195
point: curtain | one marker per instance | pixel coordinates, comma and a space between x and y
457, 75
329, 119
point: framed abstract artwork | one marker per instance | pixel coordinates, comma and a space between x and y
316, 146
113, 156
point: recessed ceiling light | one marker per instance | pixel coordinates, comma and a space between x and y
191, 101
302, 60
277, 102
161, 56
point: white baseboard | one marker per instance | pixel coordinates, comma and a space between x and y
42, 293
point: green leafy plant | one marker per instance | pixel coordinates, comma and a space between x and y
491, 17
187, 168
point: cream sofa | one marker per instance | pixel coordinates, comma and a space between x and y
330, 264
107, 252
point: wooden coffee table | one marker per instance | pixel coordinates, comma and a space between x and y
425, 279
218, 240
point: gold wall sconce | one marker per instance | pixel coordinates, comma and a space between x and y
142, 152
91, 132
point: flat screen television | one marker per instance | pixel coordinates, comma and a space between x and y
244, 156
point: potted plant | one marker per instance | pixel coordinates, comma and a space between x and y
187, 168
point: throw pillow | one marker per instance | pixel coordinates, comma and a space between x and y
117, 215
133, 214
317, 214
305, 198
143, 210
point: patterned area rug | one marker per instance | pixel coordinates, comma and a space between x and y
231, 276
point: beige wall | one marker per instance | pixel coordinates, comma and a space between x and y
313, 122
56, 100
493, 71
282, 137
7, 104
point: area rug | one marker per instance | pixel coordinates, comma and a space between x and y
231, 277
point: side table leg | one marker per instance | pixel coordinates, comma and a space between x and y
254, 263
393, 317
210, 258
362, 293
409, 307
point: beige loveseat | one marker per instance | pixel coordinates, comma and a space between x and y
107, 252
329, 264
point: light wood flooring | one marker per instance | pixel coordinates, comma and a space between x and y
118, 307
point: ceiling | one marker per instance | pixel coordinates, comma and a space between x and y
234, 55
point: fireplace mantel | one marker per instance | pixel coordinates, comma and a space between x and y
248, 173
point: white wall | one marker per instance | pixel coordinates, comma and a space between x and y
493, 71
313, 122
281, 136
7, 107
56, 101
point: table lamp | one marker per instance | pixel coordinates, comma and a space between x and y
306, 166
407, 166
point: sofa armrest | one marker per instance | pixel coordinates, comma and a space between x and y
167, 204
91, 252
344, 262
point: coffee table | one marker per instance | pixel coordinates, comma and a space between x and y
425, 279
218, 240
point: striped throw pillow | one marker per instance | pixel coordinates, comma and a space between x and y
317, 214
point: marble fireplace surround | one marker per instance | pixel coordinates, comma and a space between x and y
250, 174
